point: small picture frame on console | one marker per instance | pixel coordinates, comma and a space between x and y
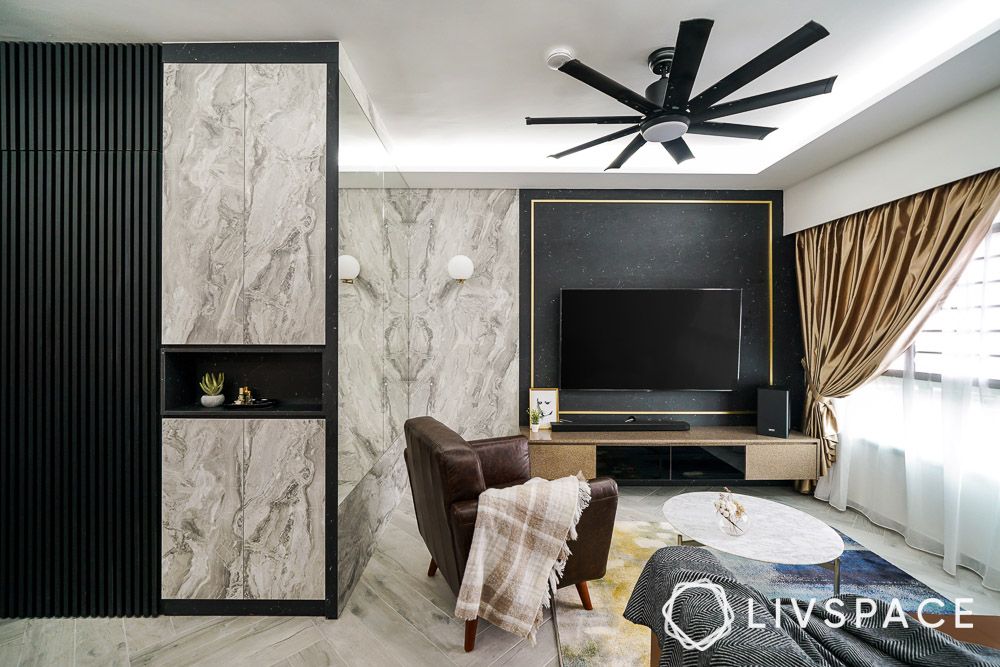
546, 399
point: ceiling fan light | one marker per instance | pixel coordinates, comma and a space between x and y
664, 128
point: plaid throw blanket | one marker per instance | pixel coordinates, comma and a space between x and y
518, 548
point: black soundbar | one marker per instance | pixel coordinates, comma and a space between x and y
619, 426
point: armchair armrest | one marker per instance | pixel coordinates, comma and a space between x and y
462, 517
504, 460
593, 534
602, 488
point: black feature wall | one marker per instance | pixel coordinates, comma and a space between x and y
79, 302
661, 238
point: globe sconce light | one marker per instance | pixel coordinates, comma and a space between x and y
348, 268
460, 268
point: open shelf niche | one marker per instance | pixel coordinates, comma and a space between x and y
291, 375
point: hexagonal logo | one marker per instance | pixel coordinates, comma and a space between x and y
725, 610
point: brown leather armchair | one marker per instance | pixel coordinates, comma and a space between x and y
447, 474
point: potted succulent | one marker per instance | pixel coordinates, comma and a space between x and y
534, 416
212, 386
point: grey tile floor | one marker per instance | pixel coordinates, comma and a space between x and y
397, 615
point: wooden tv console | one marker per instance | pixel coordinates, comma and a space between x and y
557, 454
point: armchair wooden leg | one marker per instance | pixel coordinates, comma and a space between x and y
470, 634
584, 592
654, 650
432, 569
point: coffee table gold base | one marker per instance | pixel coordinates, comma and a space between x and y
833, 565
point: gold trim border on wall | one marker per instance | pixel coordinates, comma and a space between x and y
770, 294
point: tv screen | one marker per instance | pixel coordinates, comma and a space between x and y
649, 339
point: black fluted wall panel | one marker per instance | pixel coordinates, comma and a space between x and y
80, 97
79, 245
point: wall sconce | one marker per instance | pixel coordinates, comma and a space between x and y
348, 268
460, 268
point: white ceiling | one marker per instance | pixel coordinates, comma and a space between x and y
453, 80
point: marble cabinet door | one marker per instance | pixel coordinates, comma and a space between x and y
203, 212
285, 194
284, 481
201, 503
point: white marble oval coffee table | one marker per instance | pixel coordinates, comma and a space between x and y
776, 533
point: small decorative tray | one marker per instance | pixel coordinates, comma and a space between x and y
256, 403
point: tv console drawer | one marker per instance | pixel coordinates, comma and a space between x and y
785, 461
555, 461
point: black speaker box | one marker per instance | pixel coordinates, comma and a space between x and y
772, 411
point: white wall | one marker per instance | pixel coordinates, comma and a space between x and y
959, 143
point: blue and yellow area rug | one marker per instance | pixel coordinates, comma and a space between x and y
603, 637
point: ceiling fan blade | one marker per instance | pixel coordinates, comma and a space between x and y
629, 151
678, 149
690, 48
766, 100
735, 130
795, 43
571, 120
595, 142
608, 86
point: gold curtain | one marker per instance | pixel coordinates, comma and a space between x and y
869, 281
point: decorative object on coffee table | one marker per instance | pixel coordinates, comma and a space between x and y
546, 401
781, 534
733, 518
211, 385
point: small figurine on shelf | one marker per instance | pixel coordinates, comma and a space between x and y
245, 397
211, 385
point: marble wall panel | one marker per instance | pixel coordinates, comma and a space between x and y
463, 337
285, 192
361, 387
363, 515
284, 485
201, 505
203, 223
447, 349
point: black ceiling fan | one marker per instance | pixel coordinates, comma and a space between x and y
668, 110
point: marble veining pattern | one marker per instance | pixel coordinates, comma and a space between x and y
362, 390
434, 346
284, 477
203, 222
285, 191
364, 514
201, 500
463, 337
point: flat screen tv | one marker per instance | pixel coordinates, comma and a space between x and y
650, 339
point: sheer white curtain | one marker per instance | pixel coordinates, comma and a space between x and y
920, 446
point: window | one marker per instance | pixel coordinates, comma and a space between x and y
963, 337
